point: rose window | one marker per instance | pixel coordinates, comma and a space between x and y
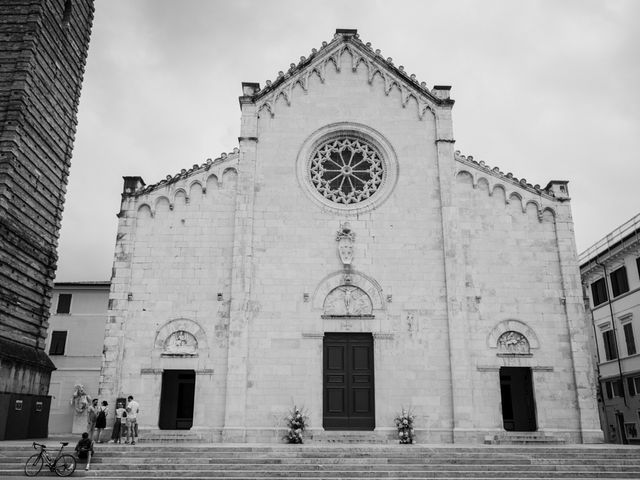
346, 170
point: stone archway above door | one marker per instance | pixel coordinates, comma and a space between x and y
340, 284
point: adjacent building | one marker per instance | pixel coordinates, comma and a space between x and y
74, 344
610, 272
43, 49
345, 258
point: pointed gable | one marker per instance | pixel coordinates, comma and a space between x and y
362, 56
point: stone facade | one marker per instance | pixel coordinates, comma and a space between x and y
259, 255
43, 50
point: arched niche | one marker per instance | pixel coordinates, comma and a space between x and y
353, 278
347, 301
512, 337
180, 338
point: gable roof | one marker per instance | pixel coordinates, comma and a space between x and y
347, 41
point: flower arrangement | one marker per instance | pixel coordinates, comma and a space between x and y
296, 423
404, 424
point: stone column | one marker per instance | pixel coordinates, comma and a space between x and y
241, 311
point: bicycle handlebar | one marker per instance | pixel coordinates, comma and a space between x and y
36, 445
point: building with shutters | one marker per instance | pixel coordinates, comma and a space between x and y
611, 276
345, 258
74, 344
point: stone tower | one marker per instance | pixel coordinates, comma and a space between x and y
43, 51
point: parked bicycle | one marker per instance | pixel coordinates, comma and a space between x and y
64, 464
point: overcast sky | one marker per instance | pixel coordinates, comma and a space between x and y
546, 89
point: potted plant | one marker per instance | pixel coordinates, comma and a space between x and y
404, 424
296, 424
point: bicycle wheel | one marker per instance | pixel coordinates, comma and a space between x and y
65, 465
33, 465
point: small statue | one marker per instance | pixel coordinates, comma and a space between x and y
80, 399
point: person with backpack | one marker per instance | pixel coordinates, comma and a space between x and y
101, 419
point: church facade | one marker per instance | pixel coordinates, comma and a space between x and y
346, 259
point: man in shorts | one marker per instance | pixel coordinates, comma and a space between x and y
133, 408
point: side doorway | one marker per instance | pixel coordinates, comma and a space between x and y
177, 399
518, 405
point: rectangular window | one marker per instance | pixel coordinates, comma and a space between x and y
633, 385
64, 303
58, 342
599, 292
628, 337
610, 350
613, 388
619, 282
638, 265
631, 430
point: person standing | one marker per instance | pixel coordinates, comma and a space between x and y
119, 424
101, 419
133, 408
92, 415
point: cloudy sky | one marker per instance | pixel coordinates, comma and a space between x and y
546, 89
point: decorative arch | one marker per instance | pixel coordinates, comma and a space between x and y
355, 279
347, 300
464, 176
499, 339
144, 211
162, 204
180, 337
548, 215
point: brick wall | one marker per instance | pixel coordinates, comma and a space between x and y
43, 50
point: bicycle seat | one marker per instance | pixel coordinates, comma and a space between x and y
64, 444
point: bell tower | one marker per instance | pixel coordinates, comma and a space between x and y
43, 50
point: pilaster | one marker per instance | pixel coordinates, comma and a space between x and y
578, 326
241, 310
454, 268
110, 384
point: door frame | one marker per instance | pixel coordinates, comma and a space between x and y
167, 419
353, 421
521, 421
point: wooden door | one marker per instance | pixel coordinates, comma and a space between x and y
177, 399
348, 382
518, 405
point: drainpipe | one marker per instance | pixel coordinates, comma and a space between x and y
615, 331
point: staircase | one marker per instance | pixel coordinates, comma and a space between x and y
330, 461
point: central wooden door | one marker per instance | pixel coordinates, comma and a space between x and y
348, 382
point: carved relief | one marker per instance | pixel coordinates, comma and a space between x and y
347, 300
345, 238
180, 343
513, 343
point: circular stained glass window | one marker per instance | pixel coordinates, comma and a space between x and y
346, 170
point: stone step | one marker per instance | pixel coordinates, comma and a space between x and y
332, 461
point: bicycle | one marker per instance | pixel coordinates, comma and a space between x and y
63, 465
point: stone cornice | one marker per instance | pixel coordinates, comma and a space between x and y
184, 173
508, 177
